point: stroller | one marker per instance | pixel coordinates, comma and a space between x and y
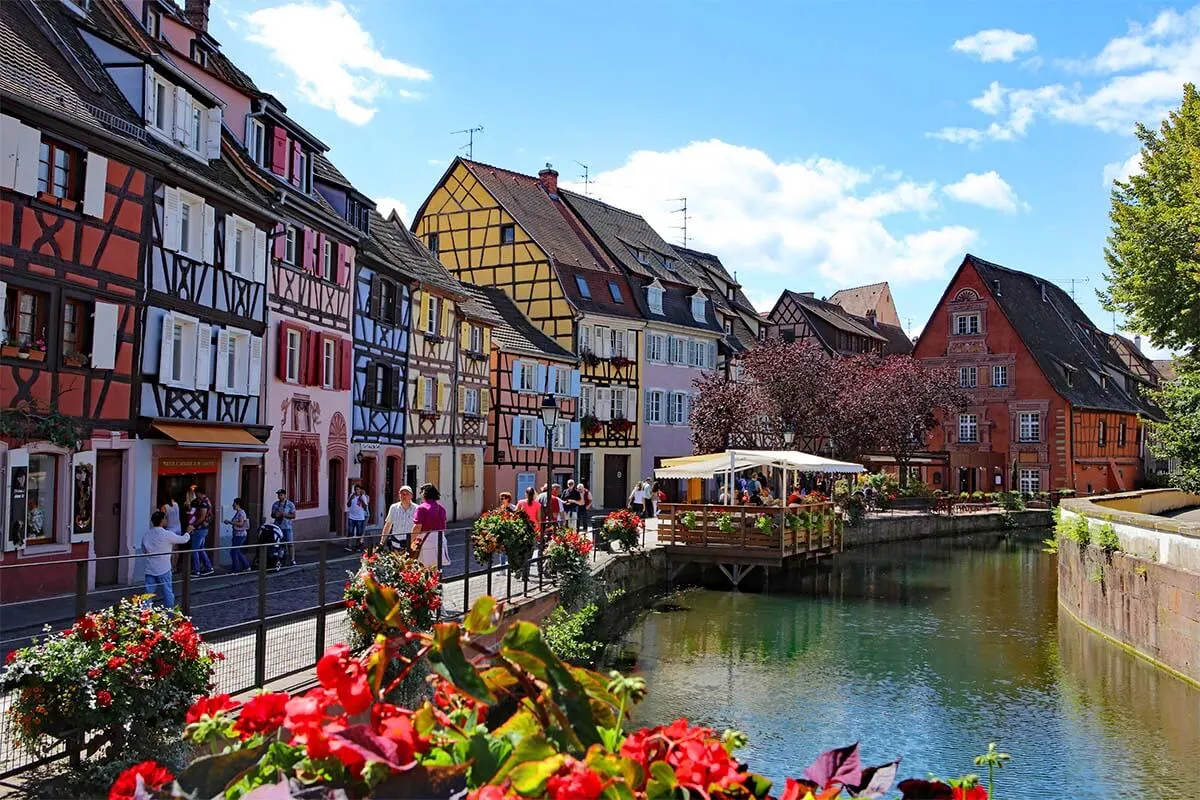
271, 535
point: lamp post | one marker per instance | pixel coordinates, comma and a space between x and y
550, 412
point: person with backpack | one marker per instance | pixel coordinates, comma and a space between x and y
358, 508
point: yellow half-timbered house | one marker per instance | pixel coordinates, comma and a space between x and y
493, 227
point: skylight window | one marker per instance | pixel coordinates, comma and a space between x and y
581, 284
615, 291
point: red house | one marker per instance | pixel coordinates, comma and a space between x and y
1055, 407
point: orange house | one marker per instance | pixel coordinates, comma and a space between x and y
1055, 407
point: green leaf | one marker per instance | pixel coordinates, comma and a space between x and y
482, 618
518, 726
530, 778
662, 782
209, 776
757, 784
525, 640
486, 754
532, 748
382, 600
451, 663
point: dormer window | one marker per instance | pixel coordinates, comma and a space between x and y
1070, 375
642, 256
1103, 381
153, 21
669, 263
699, 307
256, 141
615, 292
654, 296
729, 293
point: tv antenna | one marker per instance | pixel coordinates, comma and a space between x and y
586, 179
470, 145
684, 211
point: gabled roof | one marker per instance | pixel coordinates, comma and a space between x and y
860, 299
513, 331
898, 342
713, 268
417, 262
1060, 337
827, 314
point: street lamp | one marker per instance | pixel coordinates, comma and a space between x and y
789, 436
550, 412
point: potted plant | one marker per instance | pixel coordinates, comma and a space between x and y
75, 359
725, 523
416, 587
503, 532
33, 350
620, 362
624, 527
765, 524
590, 424
620, 426
588, 358
688, 520
566, 559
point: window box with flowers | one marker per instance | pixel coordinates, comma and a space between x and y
74, 359
589, 359
590, 424
620, 427
620, 362
33, 350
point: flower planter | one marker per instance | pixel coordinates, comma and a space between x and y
23, 353
75, 360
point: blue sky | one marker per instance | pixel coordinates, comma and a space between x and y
819, 144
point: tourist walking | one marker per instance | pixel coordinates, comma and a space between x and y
174, 523
585, 505
573, 500
397, 528
283, 511
637, 500
358, 508
429, 529
157, 545
239, 523
200, 520
505, 503
530, 507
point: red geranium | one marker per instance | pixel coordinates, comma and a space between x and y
210, 707
104, 697
263, 714
697, 756
148, 775
574, 781
972, 793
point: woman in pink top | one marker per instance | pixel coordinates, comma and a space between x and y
429, 527
531, 508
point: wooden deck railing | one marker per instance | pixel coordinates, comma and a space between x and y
812, 528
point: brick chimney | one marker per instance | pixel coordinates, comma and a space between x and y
196, 12
549, 180
1137, 342
871, 317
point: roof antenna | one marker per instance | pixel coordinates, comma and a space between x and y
1073, 281
684, 211
586, 179
470, 145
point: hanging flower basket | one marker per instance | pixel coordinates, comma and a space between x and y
503, 532
624, 527
589, 358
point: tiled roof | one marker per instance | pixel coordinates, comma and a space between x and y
1060, 337
222, 66
323, 168
1165, 367
714, 269
833, 316
860, 299
898, 342
418, 262
514, 332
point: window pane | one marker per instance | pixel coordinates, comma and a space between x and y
41, 487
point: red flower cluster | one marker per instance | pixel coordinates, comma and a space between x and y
697, 756
573, 541
814, 497
210, 707
148, 776
574, 781
448, 699
263, 713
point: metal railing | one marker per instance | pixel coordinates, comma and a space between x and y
270, 624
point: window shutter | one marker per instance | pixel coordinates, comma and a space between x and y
423, 319
279, 152
345, 260
392, 394
585, 338
573, 442
183, 110
310, 247
208, 245
166, 348
212, 133
447, 318
648, 401
320, 255
223, 347
29, 147
462, 399
316, 354
230, 242
575, 383
10, 135
104, 336
279, 245
260, 256
346, 362
443, 395
295, 170
604, 403
686, 400
464, 335
203, 379
281, 354
3, 320
367, 398
485, 401
539, 435
254, 370
151, 104
541, 378
172, 223
487, 341
375, 300
631, 348
516, 376
17, 459
95, 182
712, 355
81, 520
514, 439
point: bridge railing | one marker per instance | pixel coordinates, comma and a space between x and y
810, 528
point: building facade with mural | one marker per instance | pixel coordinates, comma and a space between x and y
1054, 406
494, 227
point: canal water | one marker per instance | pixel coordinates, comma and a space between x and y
927, 650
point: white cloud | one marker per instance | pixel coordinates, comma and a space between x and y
986, 189
810, 224
1134, 78
996, 44
1121, 170
336, 63
386, 205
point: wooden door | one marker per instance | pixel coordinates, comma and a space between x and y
616, 471
391, 474
433, 470
410, 479
367, 479
109, 469
251, 490
337, 491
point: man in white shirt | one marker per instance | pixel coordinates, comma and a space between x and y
398, 526
358, 508
158, 544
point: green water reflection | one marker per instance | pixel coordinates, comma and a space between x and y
927, 650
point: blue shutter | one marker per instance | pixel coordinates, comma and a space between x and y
516, 376
540, 434
575, 383
573, 444
515, 439
540, 386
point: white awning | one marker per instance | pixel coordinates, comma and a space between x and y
714, 464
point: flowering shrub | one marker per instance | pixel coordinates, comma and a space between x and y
624, 527
418, 595
688, 520
505, 532
128, 673
566, 740
590, 424
567, 557
765, 524
813, 497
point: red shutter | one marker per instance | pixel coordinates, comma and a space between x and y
281, 352
319, 257
344, 254
279, 152
310, 245
315, 356
295, 163
346, 374
280, 242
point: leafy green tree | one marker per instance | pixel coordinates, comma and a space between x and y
1179, 436
1153, 253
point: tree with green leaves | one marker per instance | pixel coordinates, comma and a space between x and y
1153, 252
1179, 436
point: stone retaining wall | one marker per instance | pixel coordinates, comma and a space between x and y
906, 527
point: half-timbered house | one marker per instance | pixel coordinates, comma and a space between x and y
494, 227
741, 323
1053, 406
74, 191
525, 364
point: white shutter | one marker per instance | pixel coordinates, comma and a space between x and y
648, 401
604, 403
600, 339
212, 133
172, 219
203, 376
260, 255
3, 336
631, 345
16, 502
254, 381
183, 111
208, 246
166, 348
104, 336
230, 243
82, 520
95, 181
29, 147
223, 348
151, 104
10, 135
